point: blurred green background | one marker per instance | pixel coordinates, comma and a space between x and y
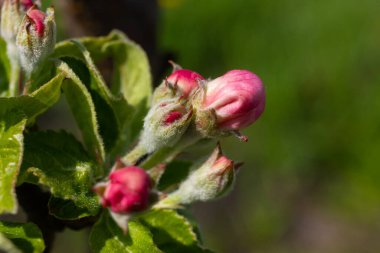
311, 180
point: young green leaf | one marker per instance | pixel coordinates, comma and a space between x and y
132, 77
11, 148
83, 109
18, 237
36, 103
173, 232
119, 106
57, 160
170, 226
107, 237
112, 112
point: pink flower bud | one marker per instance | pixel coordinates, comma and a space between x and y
211, 180
127, 190
181, 83
184, 80
26, 4
37, 18
238, 99
35, 38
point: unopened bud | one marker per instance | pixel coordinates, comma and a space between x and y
164, 125
126, 191
212, 180
36, 37
26, 4
180, 83
229, 103
10, 20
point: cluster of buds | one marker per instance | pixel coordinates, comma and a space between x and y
28, 32
185, 109
188, 107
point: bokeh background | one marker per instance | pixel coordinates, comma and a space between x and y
311, 179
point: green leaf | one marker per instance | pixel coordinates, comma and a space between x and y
57, 160
11, 148
170, 226
112, 112
41, 76
172, 232
107, 237
6, 245
26, 237
132, 78
68, 209
174, 174
119, 106
83, 109
5, 68
36, 103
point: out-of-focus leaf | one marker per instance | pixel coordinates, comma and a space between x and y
18, 237
11, 148
6, 245
107, 237
58, 161
4, 67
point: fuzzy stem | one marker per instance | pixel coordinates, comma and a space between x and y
13, 82
172, 201
135, 155
15, 69
166, 154
139, 155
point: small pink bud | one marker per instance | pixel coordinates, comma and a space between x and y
26, 4
35, 38
185, 81
238, 99
37, 17
211, 180
127, 190
181, 83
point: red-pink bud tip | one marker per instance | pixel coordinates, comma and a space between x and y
26, 4
237, 97
37, 17
127, 191
185, 80
171, 117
